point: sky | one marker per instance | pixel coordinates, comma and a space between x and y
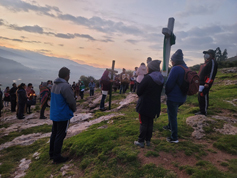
95, 32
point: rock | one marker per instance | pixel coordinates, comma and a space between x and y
198, 122
229, 70
24, 165
233, 102
24, 140
228, 129
129, 99
227, 119
95, 102
103, 127
81, 117
36, 155
230, 82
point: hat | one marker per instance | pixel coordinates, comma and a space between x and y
177, 57
210, 51
154, 65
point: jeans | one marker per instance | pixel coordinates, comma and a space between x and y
172, 110
42, 110
102, 102
91, 92
59, 131
123, 88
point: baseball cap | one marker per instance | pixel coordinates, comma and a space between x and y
210, 51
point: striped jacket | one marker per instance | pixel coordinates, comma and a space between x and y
207, 72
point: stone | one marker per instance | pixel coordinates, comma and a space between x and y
227, 129
103, 127
24, 165
81, 117
36, 155
227, 119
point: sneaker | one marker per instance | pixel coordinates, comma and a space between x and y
141, 144
60, 160
21, 117
167, 128
200, 113
171, 140
148, 143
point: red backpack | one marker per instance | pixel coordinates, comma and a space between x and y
190, 85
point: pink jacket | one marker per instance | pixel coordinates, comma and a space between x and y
141, 71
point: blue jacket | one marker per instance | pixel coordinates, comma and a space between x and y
92, 86
63, 103
175, 79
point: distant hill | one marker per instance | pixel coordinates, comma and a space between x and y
232, 59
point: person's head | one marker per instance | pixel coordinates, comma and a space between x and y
92, 80
64, 73
154, 66
177, 58
143, 64
149, 59
73, 82
22, 86
210, 54
124, 70
7, 88
14, 84
136, 68
30, 85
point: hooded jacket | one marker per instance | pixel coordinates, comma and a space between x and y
149, 92
141, 71
63, 103
22, 98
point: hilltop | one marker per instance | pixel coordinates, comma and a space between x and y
100, 144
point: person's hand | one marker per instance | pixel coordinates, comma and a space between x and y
206, 85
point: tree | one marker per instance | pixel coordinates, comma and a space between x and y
224, 55
221, 56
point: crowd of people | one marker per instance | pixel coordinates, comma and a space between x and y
147, 81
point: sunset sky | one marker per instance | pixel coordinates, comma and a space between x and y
95, 32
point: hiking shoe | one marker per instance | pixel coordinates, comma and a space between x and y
103, 109
21, 117
141, 144
172, 140
43, 117
167, 128
148, 143
200, 113
60, 160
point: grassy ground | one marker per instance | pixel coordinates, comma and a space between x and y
110, 152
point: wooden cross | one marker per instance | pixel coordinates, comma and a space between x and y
112, 71
167, 45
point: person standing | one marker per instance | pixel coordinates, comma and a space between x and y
7, 97
132, 83
207, 73
149, 104
22, 99
92, 87
141, 71
105, 87
124, 78
149, 59
13, 97
82, 89
135, 79
63, 105
1, 104
31, 97
44, 93
175, 97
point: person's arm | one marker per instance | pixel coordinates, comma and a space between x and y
172, 80
142, 86
211, 74
68, 94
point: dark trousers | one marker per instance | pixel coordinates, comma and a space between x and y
102, 102
13, 105
42, 109
91, 92
28, 108
146, 127
135, 86
81, 94
123, 88
131, 87
203, 99
21, 110
59, 131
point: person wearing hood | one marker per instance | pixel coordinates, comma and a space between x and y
82, 89
175, 96
44, 93
13, 97
62, 107
22, 99
141, 71
149, 104
1, 104
92, 87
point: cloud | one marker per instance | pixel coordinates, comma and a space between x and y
18, 40
132, 41
60, 44
48, 43
81, 47
1, 22
98, 49
31, 29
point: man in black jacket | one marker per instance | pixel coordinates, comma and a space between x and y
207, 73
148, 105
13, 97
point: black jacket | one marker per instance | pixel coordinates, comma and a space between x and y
13, 93
22, 98
149, 92
207, 72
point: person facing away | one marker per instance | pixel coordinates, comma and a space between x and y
22, 99
82, 89
62, 107
44, 94
105, 87
92, 87
7, 97
141, 71
207, 73
149, 104
13, 97
1, 104
124, 79
175, 96
149, 59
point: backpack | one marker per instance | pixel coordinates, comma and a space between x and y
125, 78
190, 85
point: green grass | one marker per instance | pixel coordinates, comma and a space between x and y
227, 143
